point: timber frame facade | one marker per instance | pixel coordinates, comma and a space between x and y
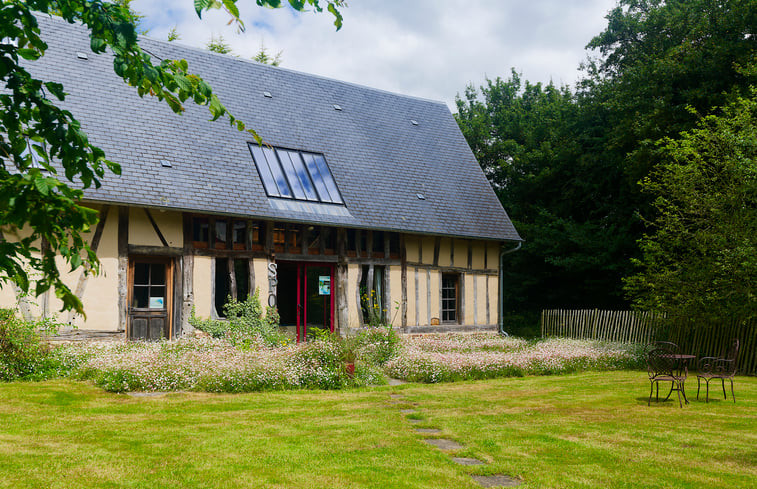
361, 206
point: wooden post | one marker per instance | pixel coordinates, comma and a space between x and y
403, 263
437, 244
232, 278
187, 276
341, 281
123, 267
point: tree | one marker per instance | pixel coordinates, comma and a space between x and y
43, 149
541, 149
218, 45
700, 258
265, 58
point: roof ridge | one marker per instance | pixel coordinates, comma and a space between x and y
290, 70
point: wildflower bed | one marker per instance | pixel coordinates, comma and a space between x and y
450, 357
217, 365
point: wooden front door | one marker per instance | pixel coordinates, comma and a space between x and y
150, 292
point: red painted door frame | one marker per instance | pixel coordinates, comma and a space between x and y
302, 297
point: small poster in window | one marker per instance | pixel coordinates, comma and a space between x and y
156, 303
324, 285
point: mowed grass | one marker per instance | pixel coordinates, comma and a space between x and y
582, 430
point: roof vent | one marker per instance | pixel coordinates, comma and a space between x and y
421, 196
81, 55
267, 95
166, 163
337, 107
413, 122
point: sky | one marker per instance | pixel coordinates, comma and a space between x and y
425, 48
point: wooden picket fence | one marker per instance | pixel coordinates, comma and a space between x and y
697, 338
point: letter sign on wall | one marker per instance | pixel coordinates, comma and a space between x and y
273, 281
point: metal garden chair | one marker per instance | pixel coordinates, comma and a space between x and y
722, 368
664, 365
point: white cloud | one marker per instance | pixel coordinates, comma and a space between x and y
426, 48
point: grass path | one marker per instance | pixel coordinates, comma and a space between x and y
583, 430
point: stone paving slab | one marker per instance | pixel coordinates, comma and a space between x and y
396, 382
467, 461
396, 396
415, 420
428, 430
499, 480
407, 411
444, 444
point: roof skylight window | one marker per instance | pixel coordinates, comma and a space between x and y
297, 175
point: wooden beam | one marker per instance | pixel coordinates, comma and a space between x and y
187, 278
227, 253
387, 247
123, 267
341, 281
437, 244
403, 281
251, 276
428, 295
44, 248
470, 254
369, 244
155, 250
81, 284
232, 278
304, 239
417, 300
481, 271
155, 227
269, 238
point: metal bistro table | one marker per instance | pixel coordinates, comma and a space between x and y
683, 366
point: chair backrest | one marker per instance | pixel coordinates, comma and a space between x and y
662, 345
733, 351
727, 363
662, 361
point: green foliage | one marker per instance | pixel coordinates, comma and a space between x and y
539, 147
218, 45
173, 35
43, 203
566, 165
23, 353
263, 57
700, 258
377, 345
245, 322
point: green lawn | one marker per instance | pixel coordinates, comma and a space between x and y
583, 430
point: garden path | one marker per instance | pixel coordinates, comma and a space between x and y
497, 480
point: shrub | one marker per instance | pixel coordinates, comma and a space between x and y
378, 345
246, 323
23, 353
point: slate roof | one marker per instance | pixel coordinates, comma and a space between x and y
379, 159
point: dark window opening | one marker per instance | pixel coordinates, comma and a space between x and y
394, 245
351, 242
297, 175
200, 232
293, 243
279, 238
220, 234
450, 297
258, 237
239, 234
378, 244
372, 296
149, 288
223, 292
314, 240
363, 243
328, 236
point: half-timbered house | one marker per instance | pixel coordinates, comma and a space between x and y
355, 192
